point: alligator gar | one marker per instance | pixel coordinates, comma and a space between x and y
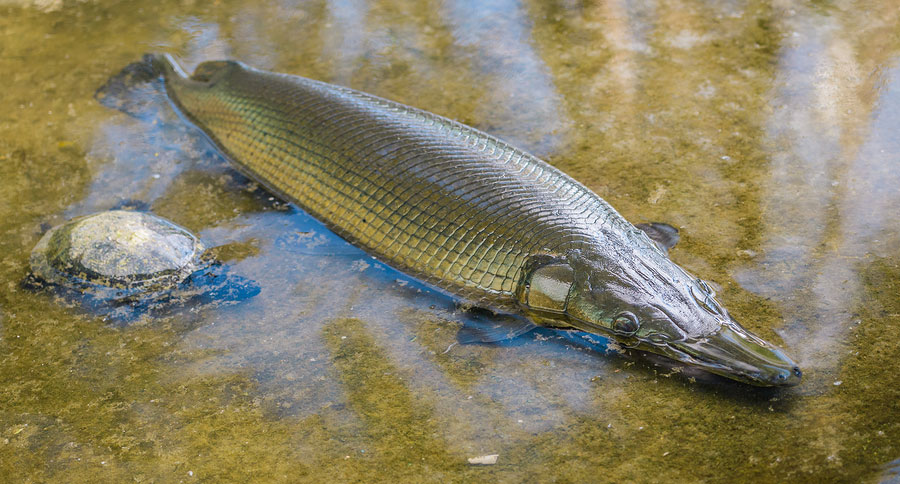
463, 211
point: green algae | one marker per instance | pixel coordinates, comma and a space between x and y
870, 422
215, 199
343, 372
398, 431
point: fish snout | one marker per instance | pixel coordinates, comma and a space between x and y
736, 353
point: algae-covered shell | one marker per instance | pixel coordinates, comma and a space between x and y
130, 251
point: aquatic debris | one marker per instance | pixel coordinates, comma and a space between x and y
484, 460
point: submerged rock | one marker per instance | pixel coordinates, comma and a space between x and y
126, 263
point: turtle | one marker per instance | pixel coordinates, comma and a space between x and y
125, 263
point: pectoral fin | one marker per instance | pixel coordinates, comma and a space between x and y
664, 235
480, 326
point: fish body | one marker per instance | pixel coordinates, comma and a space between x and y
432, 197
463, 211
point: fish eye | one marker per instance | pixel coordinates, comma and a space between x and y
625, 323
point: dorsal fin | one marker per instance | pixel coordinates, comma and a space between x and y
664, 235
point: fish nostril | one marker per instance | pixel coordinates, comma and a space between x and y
797, 372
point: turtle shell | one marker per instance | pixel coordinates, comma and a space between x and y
124, 250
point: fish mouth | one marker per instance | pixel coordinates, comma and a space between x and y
735, 353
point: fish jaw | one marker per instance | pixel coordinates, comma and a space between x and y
735, 353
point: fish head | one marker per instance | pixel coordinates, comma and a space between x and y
643, 300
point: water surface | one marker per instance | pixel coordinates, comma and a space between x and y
764, 130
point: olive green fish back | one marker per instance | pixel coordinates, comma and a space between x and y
432, 197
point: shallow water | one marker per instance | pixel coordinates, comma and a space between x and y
765, 131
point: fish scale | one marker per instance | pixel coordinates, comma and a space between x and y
439, 200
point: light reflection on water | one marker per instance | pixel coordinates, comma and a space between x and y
517, 79
766, 131
830, 188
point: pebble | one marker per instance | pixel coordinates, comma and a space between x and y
484, 460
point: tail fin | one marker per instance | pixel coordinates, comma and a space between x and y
139, 89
